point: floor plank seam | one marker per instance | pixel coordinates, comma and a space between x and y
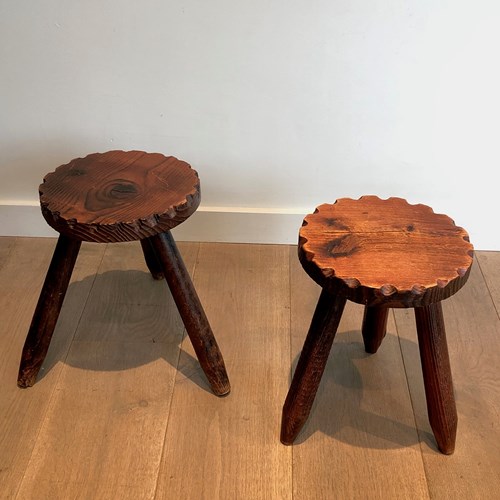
488, 288
420, 440
169, 407
179, 351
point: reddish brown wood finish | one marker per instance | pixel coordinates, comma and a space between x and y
385, 252
121, 196
437, 375
381, 253
311, 365
191, 311
374, 327
47, 309
151, 260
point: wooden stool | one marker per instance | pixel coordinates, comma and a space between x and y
121, 196
381, 253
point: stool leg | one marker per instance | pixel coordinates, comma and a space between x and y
311, 365
47, 309
374, 327
191, 311
151, 260
437, 375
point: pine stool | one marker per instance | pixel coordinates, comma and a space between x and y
112, 197
383, 254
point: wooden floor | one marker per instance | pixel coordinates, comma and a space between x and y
122, 410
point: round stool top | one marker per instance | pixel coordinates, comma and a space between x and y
119, 196
385, 252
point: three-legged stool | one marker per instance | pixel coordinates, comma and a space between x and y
121, 196
383, 254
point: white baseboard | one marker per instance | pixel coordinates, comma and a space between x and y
222, 224
219, 224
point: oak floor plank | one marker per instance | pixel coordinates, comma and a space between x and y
103, 432
360, 440
227, 448
22, 410
473, 330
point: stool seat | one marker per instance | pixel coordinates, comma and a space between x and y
382, 254
112, 197
119, 196
388, 252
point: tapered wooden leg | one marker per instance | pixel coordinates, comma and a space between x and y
311, 365
374, 327
151, 260
48, 309
437, 375
191, 311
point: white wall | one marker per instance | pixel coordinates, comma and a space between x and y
280, 105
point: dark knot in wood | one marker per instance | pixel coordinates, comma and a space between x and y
111, 195
123, 190
336, 223
341, 247
76, 172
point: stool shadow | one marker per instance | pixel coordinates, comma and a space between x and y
338, 407
118, 316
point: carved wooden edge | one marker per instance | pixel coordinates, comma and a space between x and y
125, 231
425, 208
140, 228
388, 294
